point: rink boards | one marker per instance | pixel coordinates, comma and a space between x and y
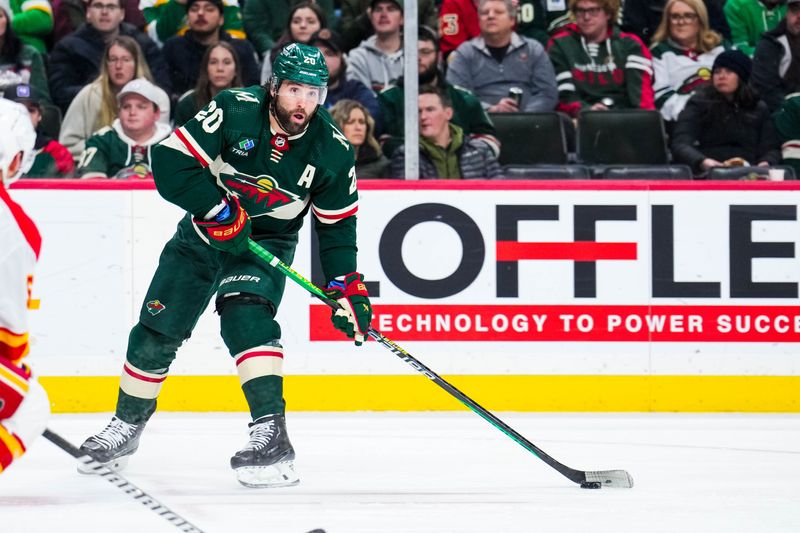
529, 296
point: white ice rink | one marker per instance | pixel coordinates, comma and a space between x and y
428, 472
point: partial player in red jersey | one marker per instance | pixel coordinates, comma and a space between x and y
24, 406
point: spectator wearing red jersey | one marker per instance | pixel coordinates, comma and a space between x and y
597, 66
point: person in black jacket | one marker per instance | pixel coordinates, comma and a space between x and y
75, 59
184, 53
776, 63
725, 123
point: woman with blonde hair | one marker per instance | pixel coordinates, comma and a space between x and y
359, 128
684, 48
95, 106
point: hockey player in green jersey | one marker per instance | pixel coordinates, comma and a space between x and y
250, 164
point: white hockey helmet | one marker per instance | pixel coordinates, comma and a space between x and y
16, 135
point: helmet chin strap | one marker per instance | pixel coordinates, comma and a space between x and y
274, 112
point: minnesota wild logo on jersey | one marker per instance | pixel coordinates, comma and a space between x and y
264, 191
691, 83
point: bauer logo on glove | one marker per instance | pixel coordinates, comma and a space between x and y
229, 230
355, 312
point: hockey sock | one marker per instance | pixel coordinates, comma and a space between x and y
149, 355
261, 375
251, 334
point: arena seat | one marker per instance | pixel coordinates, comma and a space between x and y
546, 172
621, 137
51, 120
530, 138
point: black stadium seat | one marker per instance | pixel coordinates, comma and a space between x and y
621, 137
51, 121
647, 172
547, 172
530, 138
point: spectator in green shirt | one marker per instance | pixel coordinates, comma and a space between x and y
20, 62
32, 21
166, 19
748, 19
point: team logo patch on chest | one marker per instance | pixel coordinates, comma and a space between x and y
263, 191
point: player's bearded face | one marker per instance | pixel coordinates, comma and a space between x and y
293, 112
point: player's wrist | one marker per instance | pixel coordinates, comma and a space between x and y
336, 284
212, 213
224, 214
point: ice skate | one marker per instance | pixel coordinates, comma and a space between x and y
268, 459
113, 446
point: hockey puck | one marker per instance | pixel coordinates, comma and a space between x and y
591, 485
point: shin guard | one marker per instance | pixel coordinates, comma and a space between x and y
251, 335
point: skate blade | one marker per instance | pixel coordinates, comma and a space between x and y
93, 467
260, 477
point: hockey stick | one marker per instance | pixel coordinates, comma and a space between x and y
587, 479
123, 484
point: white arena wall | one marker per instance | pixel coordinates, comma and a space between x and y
527, 296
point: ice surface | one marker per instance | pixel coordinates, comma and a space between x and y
428, 472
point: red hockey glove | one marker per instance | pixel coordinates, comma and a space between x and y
229, 230
356, 313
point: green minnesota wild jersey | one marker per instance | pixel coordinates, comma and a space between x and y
110, 153
229, 147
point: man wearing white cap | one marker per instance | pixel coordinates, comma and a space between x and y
123, 149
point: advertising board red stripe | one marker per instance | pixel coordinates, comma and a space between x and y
575, 251
574, 323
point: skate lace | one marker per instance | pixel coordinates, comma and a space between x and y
115, 434
260, 435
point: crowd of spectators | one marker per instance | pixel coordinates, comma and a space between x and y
119, 74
